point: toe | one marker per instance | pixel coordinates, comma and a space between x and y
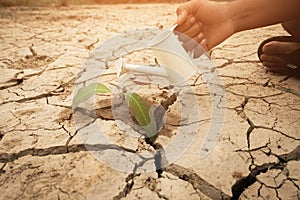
273, 62
276, 47
266, 58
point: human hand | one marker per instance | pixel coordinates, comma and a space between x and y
203, 22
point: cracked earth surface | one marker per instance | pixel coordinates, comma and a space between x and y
42, 157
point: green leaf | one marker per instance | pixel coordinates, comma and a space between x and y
87, 92
141, 112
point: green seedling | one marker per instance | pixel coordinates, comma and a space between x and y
87, 92
144, 114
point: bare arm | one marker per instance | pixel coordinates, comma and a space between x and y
250, 14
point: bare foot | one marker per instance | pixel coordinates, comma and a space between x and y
274, 54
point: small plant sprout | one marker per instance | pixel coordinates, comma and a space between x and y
87, 92
149, 117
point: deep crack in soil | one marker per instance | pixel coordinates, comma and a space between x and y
239, 187
197, 182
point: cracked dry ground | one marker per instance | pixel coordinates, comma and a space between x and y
42, 50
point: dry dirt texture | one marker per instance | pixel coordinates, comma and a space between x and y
42, 51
